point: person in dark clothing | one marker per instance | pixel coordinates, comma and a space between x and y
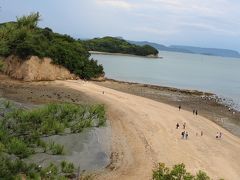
196, 113
186, 135
183, 134
177, 126
179, 107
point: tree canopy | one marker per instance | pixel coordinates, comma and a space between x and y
117, 45
24, 38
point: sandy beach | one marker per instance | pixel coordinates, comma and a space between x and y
144, 134
143, 129
121, 54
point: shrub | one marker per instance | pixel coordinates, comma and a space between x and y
201, 176
178, 172
18, 147
67, 167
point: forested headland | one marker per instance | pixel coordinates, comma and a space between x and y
118, 45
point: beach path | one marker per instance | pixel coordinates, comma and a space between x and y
144, 133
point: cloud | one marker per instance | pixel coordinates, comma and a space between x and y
210, 28
155, 31
116, 3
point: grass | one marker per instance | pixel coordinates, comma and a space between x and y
21, 132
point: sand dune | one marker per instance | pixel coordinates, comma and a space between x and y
144, 133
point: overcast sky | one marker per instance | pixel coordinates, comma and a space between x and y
206, 23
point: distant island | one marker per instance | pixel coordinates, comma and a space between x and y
118, 45
191, 49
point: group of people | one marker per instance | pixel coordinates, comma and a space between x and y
184, 135
195, 112
218, 135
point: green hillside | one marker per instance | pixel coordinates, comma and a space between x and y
24, 38
117, 45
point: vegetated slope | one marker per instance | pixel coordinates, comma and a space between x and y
118, 45
24, 38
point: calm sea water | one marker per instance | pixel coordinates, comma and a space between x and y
218, 75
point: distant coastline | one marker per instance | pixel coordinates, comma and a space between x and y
121, 54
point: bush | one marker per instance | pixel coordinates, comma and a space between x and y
178, 172
11, 168
19, 148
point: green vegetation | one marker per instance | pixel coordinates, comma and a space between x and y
22, 132
178, 172
24, 38
67, 167
1, 65
56, 149
116, 45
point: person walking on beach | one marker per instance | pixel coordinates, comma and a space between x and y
177, 126
186, 135
196, 113
183, 134
184, 125
220, 135
179, 107
201, 133
217, 136
193, 111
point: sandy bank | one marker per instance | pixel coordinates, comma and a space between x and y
35, 69
144, 133
121, 54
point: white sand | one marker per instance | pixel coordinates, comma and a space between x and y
144, 133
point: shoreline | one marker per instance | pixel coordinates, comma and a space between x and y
144, 134
143, 123
122, 54
208, 104
185, 91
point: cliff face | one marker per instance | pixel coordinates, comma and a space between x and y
35, 69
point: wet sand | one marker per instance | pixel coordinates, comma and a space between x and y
40, 92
